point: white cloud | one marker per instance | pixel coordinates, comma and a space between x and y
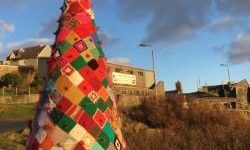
240, 49
107, 38
120, 61
6, 27
49, 28
223, 23
1, 46
29, 43
11, 3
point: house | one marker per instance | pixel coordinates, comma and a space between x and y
126, 80
33, 57
237, 90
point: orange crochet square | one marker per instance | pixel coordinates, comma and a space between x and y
103, 94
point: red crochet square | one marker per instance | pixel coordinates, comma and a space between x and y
61, 62
87, 73
100, 118
87, 122
64, 105
84, 30
70, 55
62, 34
85, 87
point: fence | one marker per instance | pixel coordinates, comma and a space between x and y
19, 99
13, 91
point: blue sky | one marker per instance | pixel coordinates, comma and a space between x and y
191, 37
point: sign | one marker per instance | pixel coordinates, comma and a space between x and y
121, 78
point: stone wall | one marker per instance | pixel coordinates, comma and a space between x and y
19, 99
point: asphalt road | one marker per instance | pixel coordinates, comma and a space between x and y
12, 125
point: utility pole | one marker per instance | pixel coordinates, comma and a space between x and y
153, 62
228, 71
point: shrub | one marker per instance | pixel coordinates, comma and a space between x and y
11, 79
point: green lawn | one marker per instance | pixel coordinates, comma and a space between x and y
17, 111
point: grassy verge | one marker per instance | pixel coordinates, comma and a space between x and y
14, 140
17, 111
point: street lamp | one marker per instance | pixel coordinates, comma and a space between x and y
153, 61
228, 71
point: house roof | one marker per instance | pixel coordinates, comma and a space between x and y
26, 53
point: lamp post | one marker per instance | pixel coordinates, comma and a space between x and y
228, 71
153, 61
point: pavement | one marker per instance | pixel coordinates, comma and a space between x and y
6, 126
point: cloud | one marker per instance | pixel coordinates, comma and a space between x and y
11, 3
223, 23
120, 61
1, 46
175, 21
49, 28
5, 27
29, 43
234, 7
172, 21
240, 49
107, 38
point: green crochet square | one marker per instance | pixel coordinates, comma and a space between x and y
79, 63
103, 140
62, 47
108, 130
55, 115
88, 106
105, 83
101, 105
95, 53
66, 124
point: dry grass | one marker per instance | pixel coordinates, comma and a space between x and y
169, 126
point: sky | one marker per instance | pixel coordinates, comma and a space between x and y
191, 38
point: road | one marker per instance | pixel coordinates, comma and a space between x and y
12, 125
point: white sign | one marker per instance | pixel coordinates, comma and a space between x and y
121, 78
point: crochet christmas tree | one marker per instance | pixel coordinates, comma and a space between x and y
77, 109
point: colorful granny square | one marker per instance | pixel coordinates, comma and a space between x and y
63, 84
80, 46
77, 132
101, 105
74, 95
66, 124
85, 87
88, 106
109, 132
100, 118
87, 55
93, 64
63, 46
70, 55
79, 63
103, 140
64, 105
55, 115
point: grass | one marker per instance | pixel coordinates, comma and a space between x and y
14, 112
13, 140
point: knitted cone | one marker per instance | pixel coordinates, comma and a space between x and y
77, 109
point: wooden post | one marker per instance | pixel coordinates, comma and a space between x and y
16, 90
29, 90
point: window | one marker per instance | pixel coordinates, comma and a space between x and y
140, 73
130, 72
118, 70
